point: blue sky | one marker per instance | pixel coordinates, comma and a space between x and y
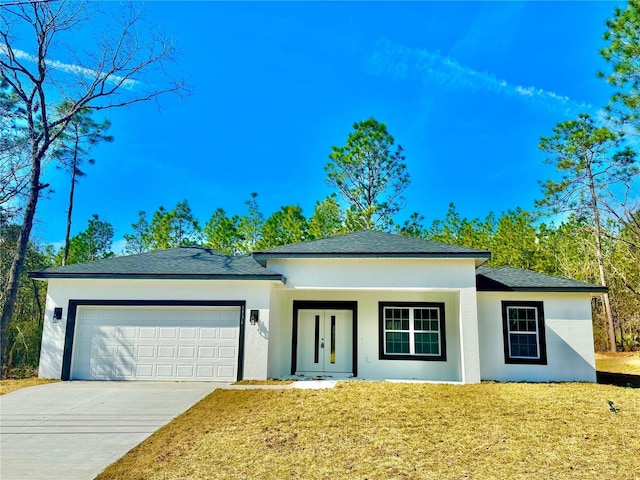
467, 88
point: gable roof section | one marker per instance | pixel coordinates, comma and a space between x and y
507, 279
371, 244
175, 263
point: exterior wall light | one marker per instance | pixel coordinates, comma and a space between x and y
57, 314
254, 317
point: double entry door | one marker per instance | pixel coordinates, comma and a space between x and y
325, 342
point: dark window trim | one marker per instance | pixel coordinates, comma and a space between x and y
541, 333
423, 358
74, 304
324, 305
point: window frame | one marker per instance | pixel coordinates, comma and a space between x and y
442, 357
540, 334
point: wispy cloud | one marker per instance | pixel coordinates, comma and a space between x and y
70, 68
400, 62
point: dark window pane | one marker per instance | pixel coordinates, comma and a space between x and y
434, 325
426, 344
397, 342
524, 345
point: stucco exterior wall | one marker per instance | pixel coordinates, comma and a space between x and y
569, 338
368, 282
60, 291
382, 273
474, 336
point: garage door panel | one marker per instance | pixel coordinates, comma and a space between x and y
187, 333
101, 332
156, 343
165, 370
228, 333
124, 370
206, 352
205, 372
148, 332
166, 351
185, 371
227, 352
126, 332
208, 333
146, 351
144, 371
187, 352
167, 332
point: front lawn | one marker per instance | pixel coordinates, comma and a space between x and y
368, 430
621, 362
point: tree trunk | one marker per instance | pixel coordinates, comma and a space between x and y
13, 279
600, 258
610, 327
36, 295
71, 193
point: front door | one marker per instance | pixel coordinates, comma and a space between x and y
325, 342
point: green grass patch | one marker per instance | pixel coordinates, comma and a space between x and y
392, 430
11, 385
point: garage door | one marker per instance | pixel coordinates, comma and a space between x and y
156, 343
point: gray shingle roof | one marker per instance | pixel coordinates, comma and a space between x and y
371, 244
505, 279
182, 262
202, 263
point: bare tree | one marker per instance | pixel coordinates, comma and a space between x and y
48, 71
73, 150
14, 159
596, 168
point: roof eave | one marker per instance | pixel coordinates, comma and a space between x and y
504, 288
262, 257
154, 276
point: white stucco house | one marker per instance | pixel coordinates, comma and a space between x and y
368, 304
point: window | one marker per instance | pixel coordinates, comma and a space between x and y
412, 331
524, 335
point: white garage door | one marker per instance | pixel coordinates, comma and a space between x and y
156, 343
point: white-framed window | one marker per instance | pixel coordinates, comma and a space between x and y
412, 331
523, 329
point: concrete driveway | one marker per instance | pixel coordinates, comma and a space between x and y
74, 430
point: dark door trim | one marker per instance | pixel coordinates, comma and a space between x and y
324, 305
74, 304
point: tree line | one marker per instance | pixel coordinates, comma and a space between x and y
586, 224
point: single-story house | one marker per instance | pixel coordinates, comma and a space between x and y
367, 304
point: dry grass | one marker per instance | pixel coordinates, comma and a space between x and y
386, 431
623, 362
271, 381
11, 385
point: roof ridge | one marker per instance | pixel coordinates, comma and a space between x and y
371, 241
338, 235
